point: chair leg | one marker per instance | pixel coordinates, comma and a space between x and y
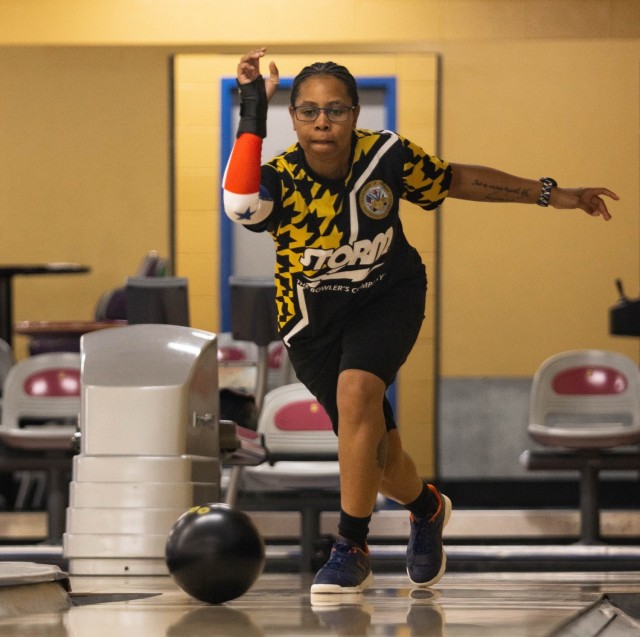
589, 506
234, 485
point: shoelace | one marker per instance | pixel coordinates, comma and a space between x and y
422, 544
339, 554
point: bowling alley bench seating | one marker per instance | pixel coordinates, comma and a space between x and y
584, 411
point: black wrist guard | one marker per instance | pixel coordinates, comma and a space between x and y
253, 108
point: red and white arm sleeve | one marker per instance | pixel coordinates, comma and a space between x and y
244, 201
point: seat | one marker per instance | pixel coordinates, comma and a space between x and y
237, 363
295, 426
41, 404
301, 472
584, 410
6, 363
238, 360
586, 399
280, 369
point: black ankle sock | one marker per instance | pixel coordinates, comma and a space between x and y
426, 504
354, 529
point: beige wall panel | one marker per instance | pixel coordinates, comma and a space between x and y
196, 147
214, 23
625, 18
193, 189
418, 113
203, 309
83, 171
201, 269
197, 233
198, 103
420, 226
418, 433
419, 365
521, 283
197, 144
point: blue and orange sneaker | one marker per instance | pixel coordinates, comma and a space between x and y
426, 559
348, 569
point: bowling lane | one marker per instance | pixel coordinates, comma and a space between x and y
462, 605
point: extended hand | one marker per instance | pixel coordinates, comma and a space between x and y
249, 70
588, 199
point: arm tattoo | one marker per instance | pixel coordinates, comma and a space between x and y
495, 192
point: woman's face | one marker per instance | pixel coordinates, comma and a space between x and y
326, 144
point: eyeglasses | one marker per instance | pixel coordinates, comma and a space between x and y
311, 113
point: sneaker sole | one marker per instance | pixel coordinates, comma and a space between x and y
443, 566
337, 589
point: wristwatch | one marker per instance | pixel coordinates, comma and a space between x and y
547, 184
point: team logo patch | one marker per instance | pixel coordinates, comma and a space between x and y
376, 199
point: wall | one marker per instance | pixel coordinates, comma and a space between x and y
217, 23
84, 171
535, 87
521, 282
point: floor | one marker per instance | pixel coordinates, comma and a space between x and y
461, 605
504, 590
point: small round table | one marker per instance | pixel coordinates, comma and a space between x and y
8, 271
59, 336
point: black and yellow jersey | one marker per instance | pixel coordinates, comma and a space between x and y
340, 242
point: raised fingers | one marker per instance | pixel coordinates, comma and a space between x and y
249, 65
273, 81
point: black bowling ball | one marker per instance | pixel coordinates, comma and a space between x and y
215, 553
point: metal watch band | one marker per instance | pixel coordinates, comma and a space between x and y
547, 184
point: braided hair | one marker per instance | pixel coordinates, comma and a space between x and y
325, 68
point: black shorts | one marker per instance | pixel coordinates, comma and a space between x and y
377, 338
